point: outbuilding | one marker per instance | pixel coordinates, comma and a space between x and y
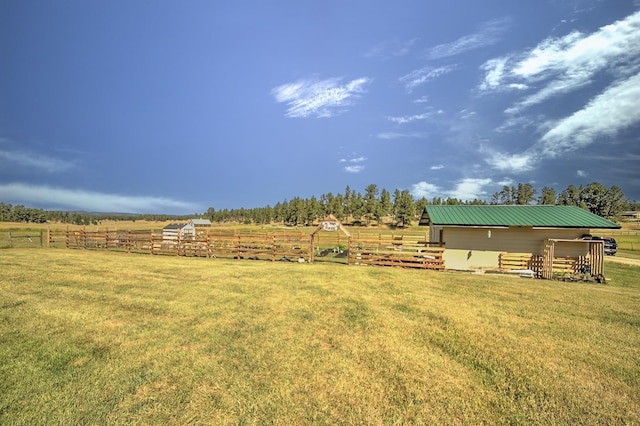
200, 223
481, 237
175, 231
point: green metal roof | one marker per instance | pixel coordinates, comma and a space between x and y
535, 216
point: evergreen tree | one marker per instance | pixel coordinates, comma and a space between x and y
385, 203
548, 196
523, 194
403, 207
371, 203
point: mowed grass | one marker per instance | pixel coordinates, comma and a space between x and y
102, 337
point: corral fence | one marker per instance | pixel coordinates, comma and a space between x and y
408, 251
26, 238
217, 244
400, 250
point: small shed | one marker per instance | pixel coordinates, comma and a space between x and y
200, 223
174, 231
479, 237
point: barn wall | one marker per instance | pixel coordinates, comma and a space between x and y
472, 248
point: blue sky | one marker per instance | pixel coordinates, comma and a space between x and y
174, 107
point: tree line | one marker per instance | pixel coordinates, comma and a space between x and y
20, 213
401, 209
352, 207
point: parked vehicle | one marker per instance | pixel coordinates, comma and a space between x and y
610, 244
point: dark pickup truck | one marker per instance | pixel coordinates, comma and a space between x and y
610, 244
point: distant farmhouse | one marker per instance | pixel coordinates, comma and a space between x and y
175, 231
475, 237
631, 215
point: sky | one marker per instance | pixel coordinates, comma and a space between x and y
174, 107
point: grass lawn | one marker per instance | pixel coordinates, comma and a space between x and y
103, 337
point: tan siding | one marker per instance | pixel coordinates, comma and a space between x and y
472, 248
470, 259
513, 240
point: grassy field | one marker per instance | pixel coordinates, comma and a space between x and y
103, 337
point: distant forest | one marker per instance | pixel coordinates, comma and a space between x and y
354, 208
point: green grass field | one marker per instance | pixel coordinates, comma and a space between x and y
102, 337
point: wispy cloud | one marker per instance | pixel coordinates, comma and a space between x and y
36, 161
614, 110
561, 65
391, 48
495, 69
489, 33
437, 167
77, 199
409, 118
319, 98
558, 66
423, 75
401, 135
355, 164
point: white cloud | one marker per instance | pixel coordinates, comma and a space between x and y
565, 64
397, 135
355, 165
358, 160
437, 167
422, 100
354, 169
325, 98
423, 75
77, 199
581, 173
465, 189
36, 161
558, 66
488, 34
506, 182
425, 189
616, 109
495, 73
518, 86
512, 162
409, 118
469, 189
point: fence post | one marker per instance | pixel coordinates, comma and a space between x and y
10, 241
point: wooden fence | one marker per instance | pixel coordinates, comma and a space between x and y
383, 250
547, 266
224, 244
396, 250
401, 250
